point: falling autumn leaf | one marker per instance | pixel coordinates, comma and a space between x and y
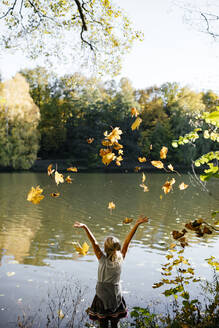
107, 156
81, 249
143, 177
137, 168
55, 194
118, 160
68, 179
136, 123
90, 140
34, 195
145, 188
113, 136
170, 167
142, 159
60, 314
167, 187
151, 147
183, 186
157, 164
127, 220
72, 169
134, 112
59, 178
49, 170
163, 152
111, 206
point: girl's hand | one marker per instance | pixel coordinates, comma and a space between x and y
79, 225
142, 220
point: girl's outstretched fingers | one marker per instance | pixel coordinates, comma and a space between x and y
78, 225
142, 220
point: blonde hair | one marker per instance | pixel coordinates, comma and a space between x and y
112, 248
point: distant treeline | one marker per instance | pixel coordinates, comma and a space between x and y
75, 111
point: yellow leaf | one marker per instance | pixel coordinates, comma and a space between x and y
60, 314
120, 152
34, 195
55, 194
68, 179
173, 245
183, 186
59, 178
107, 156
157, 164
163, 152
136, 124
142, 185
142, 159
127, 220
143, 178
72, 169
111, 206
49, 170
117, 146
151, 147
134, 112
161, 197
113, 136
90, 140
137, 168
170, 167
81, 249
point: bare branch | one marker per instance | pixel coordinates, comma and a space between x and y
208, 26
9, 10
84, 26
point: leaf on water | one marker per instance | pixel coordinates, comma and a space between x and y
10, 274
177, 234
90, 140
167, 187
136, 123
60, 314
72, 169
134, 112
183, 186
111, 206
157, 164
55, 194
59, 178
163, 152
34, 195
145, 188
142, 159
49, 170
81, 249
68, 179
127, 220
173, 245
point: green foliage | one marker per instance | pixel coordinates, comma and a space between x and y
143, 318
68, 31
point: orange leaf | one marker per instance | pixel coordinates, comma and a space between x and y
90, 140
157, 164
72, 169
142, 159
143, 177
183, 186
167, 187
127, 220
134, 112
163, 152
49, 170
68, 179
137, 168
55, 194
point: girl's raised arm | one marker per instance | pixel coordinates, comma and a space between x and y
131, 234
93, 240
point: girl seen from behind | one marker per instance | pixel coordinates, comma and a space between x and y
108, 305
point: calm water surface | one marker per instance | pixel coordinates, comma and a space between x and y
36, 250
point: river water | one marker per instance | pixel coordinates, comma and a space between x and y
36, 251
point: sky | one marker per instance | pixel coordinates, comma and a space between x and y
173, 50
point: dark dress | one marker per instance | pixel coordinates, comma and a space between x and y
108, 302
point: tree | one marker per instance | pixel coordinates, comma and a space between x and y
19, 117
55, 29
